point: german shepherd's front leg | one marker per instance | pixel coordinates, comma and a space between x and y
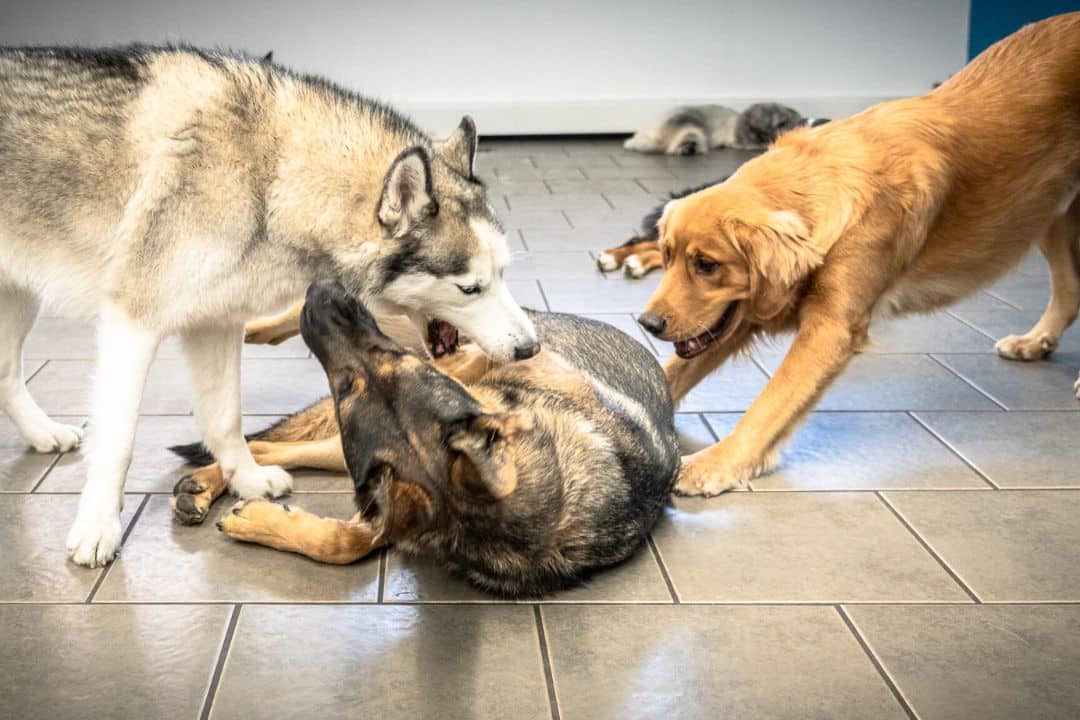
326, 540
194, 494
274, 329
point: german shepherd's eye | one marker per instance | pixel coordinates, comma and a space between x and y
705, 266
469, 289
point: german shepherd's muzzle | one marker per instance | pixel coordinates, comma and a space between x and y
523, 481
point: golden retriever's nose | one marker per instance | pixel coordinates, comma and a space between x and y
524, 352
652, 322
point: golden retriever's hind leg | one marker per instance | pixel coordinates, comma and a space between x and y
274, 329
1058, 247
325, 540
194, 494
613, 258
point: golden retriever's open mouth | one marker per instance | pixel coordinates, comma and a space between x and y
693, 347
442, 338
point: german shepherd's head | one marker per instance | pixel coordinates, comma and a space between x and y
445, 251
417, 444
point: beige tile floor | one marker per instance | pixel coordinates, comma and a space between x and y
916, 555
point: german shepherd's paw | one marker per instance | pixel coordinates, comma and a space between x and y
52, 437
259, 481
1026, 347
253, 520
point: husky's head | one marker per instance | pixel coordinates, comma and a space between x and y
445, 252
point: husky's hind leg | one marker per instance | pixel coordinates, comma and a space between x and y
213, 355
125, 351
18, 311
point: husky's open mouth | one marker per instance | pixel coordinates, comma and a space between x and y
442, 338
693, 347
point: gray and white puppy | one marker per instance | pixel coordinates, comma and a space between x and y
696, 129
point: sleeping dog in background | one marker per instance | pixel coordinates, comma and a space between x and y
696, 129
174, 191
523, 477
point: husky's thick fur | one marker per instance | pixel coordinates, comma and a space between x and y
696, 129
524, 479
173, 191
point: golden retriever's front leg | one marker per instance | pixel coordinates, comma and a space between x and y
326, 540
274, 329
822, 348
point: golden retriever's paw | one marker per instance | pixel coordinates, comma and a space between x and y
261, 333
713, 471
1026, 347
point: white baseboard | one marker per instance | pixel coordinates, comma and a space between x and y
564, 117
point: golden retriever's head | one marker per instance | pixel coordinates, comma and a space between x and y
731, 259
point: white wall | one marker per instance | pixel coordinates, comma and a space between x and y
554, 66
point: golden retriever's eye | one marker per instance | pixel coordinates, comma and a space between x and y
705, 266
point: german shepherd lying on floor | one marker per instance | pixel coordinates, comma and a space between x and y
522, 477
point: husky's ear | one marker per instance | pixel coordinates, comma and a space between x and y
407, 195
459, 149
779, 254
486, 462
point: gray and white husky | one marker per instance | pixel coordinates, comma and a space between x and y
173, 191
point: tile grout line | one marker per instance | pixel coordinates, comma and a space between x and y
933, 553
972, 385
543, 295
123, 539
524, 242
998, 297
382, 574
41, 480
219, 666
986, 478
663, 569
549, 678
35, 373
876, 662
977, 329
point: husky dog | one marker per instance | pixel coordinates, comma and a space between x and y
696, 129
524, 479
174, 191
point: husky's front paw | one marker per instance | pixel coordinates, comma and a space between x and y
717, 470
1026, 347
94, 538
52, 437
261, 481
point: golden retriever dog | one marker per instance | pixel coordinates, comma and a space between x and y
904, 208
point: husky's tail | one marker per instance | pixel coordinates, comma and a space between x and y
317, 422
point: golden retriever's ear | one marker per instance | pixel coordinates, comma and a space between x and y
780, 255
487, 457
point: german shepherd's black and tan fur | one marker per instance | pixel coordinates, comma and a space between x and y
522, 477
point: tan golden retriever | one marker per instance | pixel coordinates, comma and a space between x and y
904, 208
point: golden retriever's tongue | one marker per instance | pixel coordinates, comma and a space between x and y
442, 338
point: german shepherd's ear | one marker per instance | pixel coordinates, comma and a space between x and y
780, 255
485, 446
407, 195
459, 149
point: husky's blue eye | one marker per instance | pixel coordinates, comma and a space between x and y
469, 289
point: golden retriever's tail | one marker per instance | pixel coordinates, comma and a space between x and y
317, 422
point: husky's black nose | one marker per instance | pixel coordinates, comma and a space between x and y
524, 352
652, 322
